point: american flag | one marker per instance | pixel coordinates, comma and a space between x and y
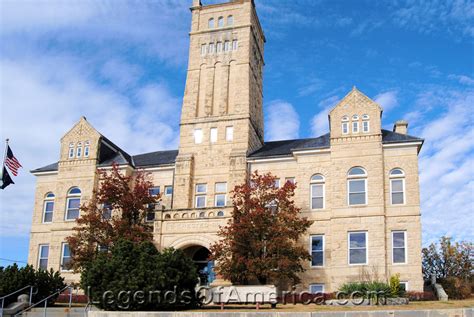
11, 162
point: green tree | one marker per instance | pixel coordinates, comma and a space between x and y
260, 242
448, 259
116, 210
136, 276
13, 278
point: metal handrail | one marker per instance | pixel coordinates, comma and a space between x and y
17, 291
45, 300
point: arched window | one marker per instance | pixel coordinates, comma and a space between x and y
48, 208
345, 125
73, 203
397, 186
210, 23
355, 124
79, 150
357, 186
86, 148
220, 213
365, 123
317, 191
202, 214
230, 20
220, 22
71, 150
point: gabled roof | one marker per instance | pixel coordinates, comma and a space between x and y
48, 168
158, 158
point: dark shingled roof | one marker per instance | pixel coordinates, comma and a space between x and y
286, 147
47, 168
269, 149
155, 158
394, 137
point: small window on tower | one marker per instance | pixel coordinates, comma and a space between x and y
226, 46
235, 45
230, 20
211, 48
213, 135
229, 133
220, 22
219, 47
203, 49
211, 23
197, 136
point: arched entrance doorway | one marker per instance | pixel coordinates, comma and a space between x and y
205, 267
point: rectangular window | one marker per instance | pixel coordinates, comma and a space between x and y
106, 211
316, 288
277, 183
211, 48
201, 190
150, 216
226, 46
404, 286
345, 128
203, 49
355, 127
235, 45
71, 152
219, 47
229, 133
168, 190
197, 136
357, 192
79, 151
397, 187
220, 200
43, 253
65, 257
317, 196
213, 135
358, 248
221, 187
72, 211
201, 201
399, 255
317, 250
290, 179
48, 211
365, 126
154, 191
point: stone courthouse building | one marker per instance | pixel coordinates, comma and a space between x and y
358, 182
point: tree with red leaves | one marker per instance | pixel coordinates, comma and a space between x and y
117, 210
260, 242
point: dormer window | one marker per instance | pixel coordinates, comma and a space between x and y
365, 123
210, 23
230, 20
79, 150
345, 125
220, 22
71, 150
86, 149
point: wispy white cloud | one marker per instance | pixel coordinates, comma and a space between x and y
320, 121
447, 169
46, 96
282, 121
387, 100
311, 86
462, 79
454, 17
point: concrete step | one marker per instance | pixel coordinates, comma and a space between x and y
56, 312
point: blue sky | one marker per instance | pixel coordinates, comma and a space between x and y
122, 64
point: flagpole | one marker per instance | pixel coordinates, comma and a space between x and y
4, 156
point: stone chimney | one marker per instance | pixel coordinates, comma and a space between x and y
401, 126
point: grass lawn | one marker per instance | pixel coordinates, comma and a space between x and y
467, 303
